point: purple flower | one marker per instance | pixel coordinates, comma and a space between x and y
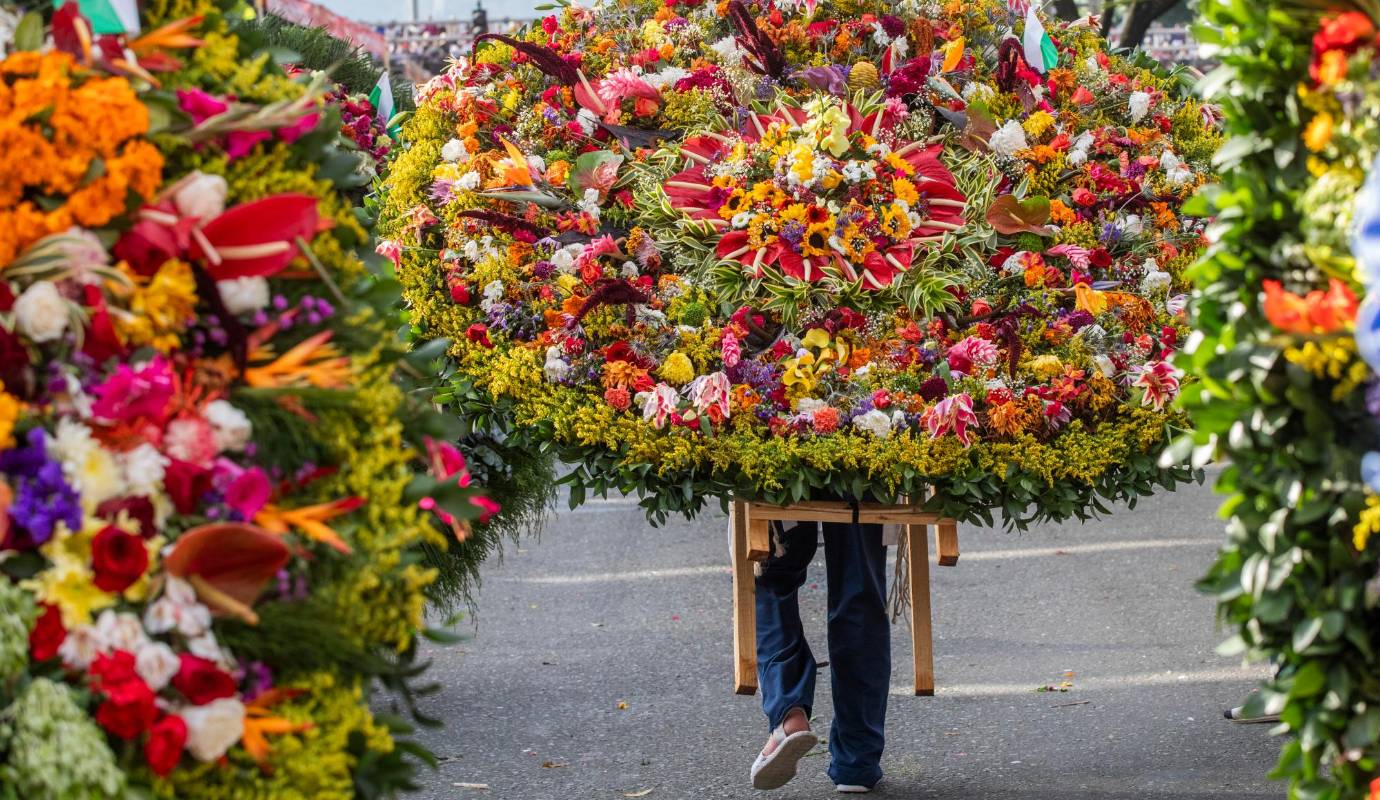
42, 497
832, 79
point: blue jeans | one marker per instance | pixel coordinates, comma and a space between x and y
859, 641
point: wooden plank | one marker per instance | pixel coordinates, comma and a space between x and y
758, 536
921, 635
744, 603
825, 511
948, 543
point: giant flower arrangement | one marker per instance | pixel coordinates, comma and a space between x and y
780, 249
213, 521
1288, 359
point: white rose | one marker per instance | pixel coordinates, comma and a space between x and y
202, 196
156, 663
1008, 139
120, 631
40, 313
454, 151
233, 430
243, 295
1139, 105
213, 728
144, 468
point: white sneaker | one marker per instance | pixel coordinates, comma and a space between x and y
774, 770
850, 788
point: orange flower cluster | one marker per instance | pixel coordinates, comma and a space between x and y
70, 149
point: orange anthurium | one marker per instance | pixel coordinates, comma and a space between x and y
228, 564
259, 724
1317, 312
312, 362
310, 521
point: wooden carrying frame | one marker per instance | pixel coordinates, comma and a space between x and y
749, 532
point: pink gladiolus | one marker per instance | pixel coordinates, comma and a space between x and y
730, 350
708, 391
659, 404
1160, 382
951, 415
199, 105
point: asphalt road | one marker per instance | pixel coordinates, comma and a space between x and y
599, 667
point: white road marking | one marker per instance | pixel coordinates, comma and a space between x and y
1083, 684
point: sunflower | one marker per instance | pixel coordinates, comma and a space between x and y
737, 203
816, 241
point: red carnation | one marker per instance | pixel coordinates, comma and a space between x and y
47, 635
201, 681
479, 334
166, 740
118, 558
460, 293
112, 669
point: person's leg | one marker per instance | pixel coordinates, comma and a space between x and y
785, 665
859, 651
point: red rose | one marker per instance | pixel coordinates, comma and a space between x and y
118, 558
47, 635
102, 341
201, 681
1083, 197
186, 483
128, 709
981, 308
166, 739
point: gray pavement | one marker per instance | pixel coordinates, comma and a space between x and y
599, 667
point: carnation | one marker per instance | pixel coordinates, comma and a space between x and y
144, 467
874, 422
1139, 105
156, 663
232, 428
1008, 139
454, 151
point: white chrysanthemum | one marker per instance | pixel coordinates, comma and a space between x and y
1155, 281
1008, 139
454, 151
89, 467
469, 181
1175, 170
666, 77
729, 52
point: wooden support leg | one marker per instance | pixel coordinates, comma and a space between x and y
758, 537
948, 543
921, 636
744, 603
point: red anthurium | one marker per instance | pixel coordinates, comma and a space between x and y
256, 239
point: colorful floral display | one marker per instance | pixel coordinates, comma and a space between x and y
213, 519
1288, 361
777, 248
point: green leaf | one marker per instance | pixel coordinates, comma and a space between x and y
28, 34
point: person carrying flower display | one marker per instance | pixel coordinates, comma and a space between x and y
859, 654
